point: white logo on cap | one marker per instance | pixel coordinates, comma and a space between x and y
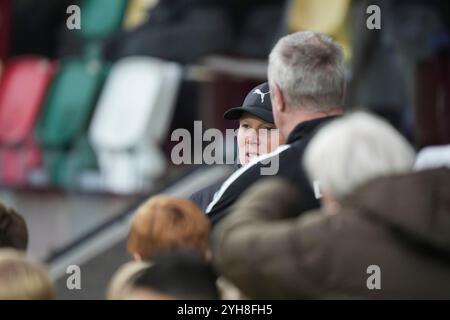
262, 94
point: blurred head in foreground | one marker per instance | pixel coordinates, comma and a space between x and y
164, 224
22, 278
181, 274
353, 150
123, 280
13, 229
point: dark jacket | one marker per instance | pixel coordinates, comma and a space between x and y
204, 196
289, 161
400, 224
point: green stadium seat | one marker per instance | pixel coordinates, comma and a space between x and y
101, 17
66, 115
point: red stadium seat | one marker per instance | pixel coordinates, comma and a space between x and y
22, 90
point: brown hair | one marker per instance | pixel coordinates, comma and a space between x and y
13, 229
165, 223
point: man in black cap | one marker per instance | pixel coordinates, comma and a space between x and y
256, 135
306, 75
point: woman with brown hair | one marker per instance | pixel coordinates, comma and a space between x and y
165, 223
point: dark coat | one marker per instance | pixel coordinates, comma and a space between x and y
400, 224
289, 163
204, 196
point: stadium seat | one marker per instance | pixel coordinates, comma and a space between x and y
137, 13
328, 17
62, 127
132, 116
22, 90
65, 119
101, 18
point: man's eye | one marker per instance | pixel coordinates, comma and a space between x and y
245, 126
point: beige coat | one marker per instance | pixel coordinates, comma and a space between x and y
400, 224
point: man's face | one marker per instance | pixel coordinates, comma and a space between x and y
255, 137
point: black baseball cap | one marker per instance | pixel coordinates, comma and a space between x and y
257, 102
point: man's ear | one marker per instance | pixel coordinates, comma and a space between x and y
279, 98
137, 256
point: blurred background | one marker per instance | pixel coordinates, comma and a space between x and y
86, 114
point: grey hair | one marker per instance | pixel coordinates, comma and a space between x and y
309, 69
354, 149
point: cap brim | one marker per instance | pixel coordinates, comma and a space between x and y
236, 113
